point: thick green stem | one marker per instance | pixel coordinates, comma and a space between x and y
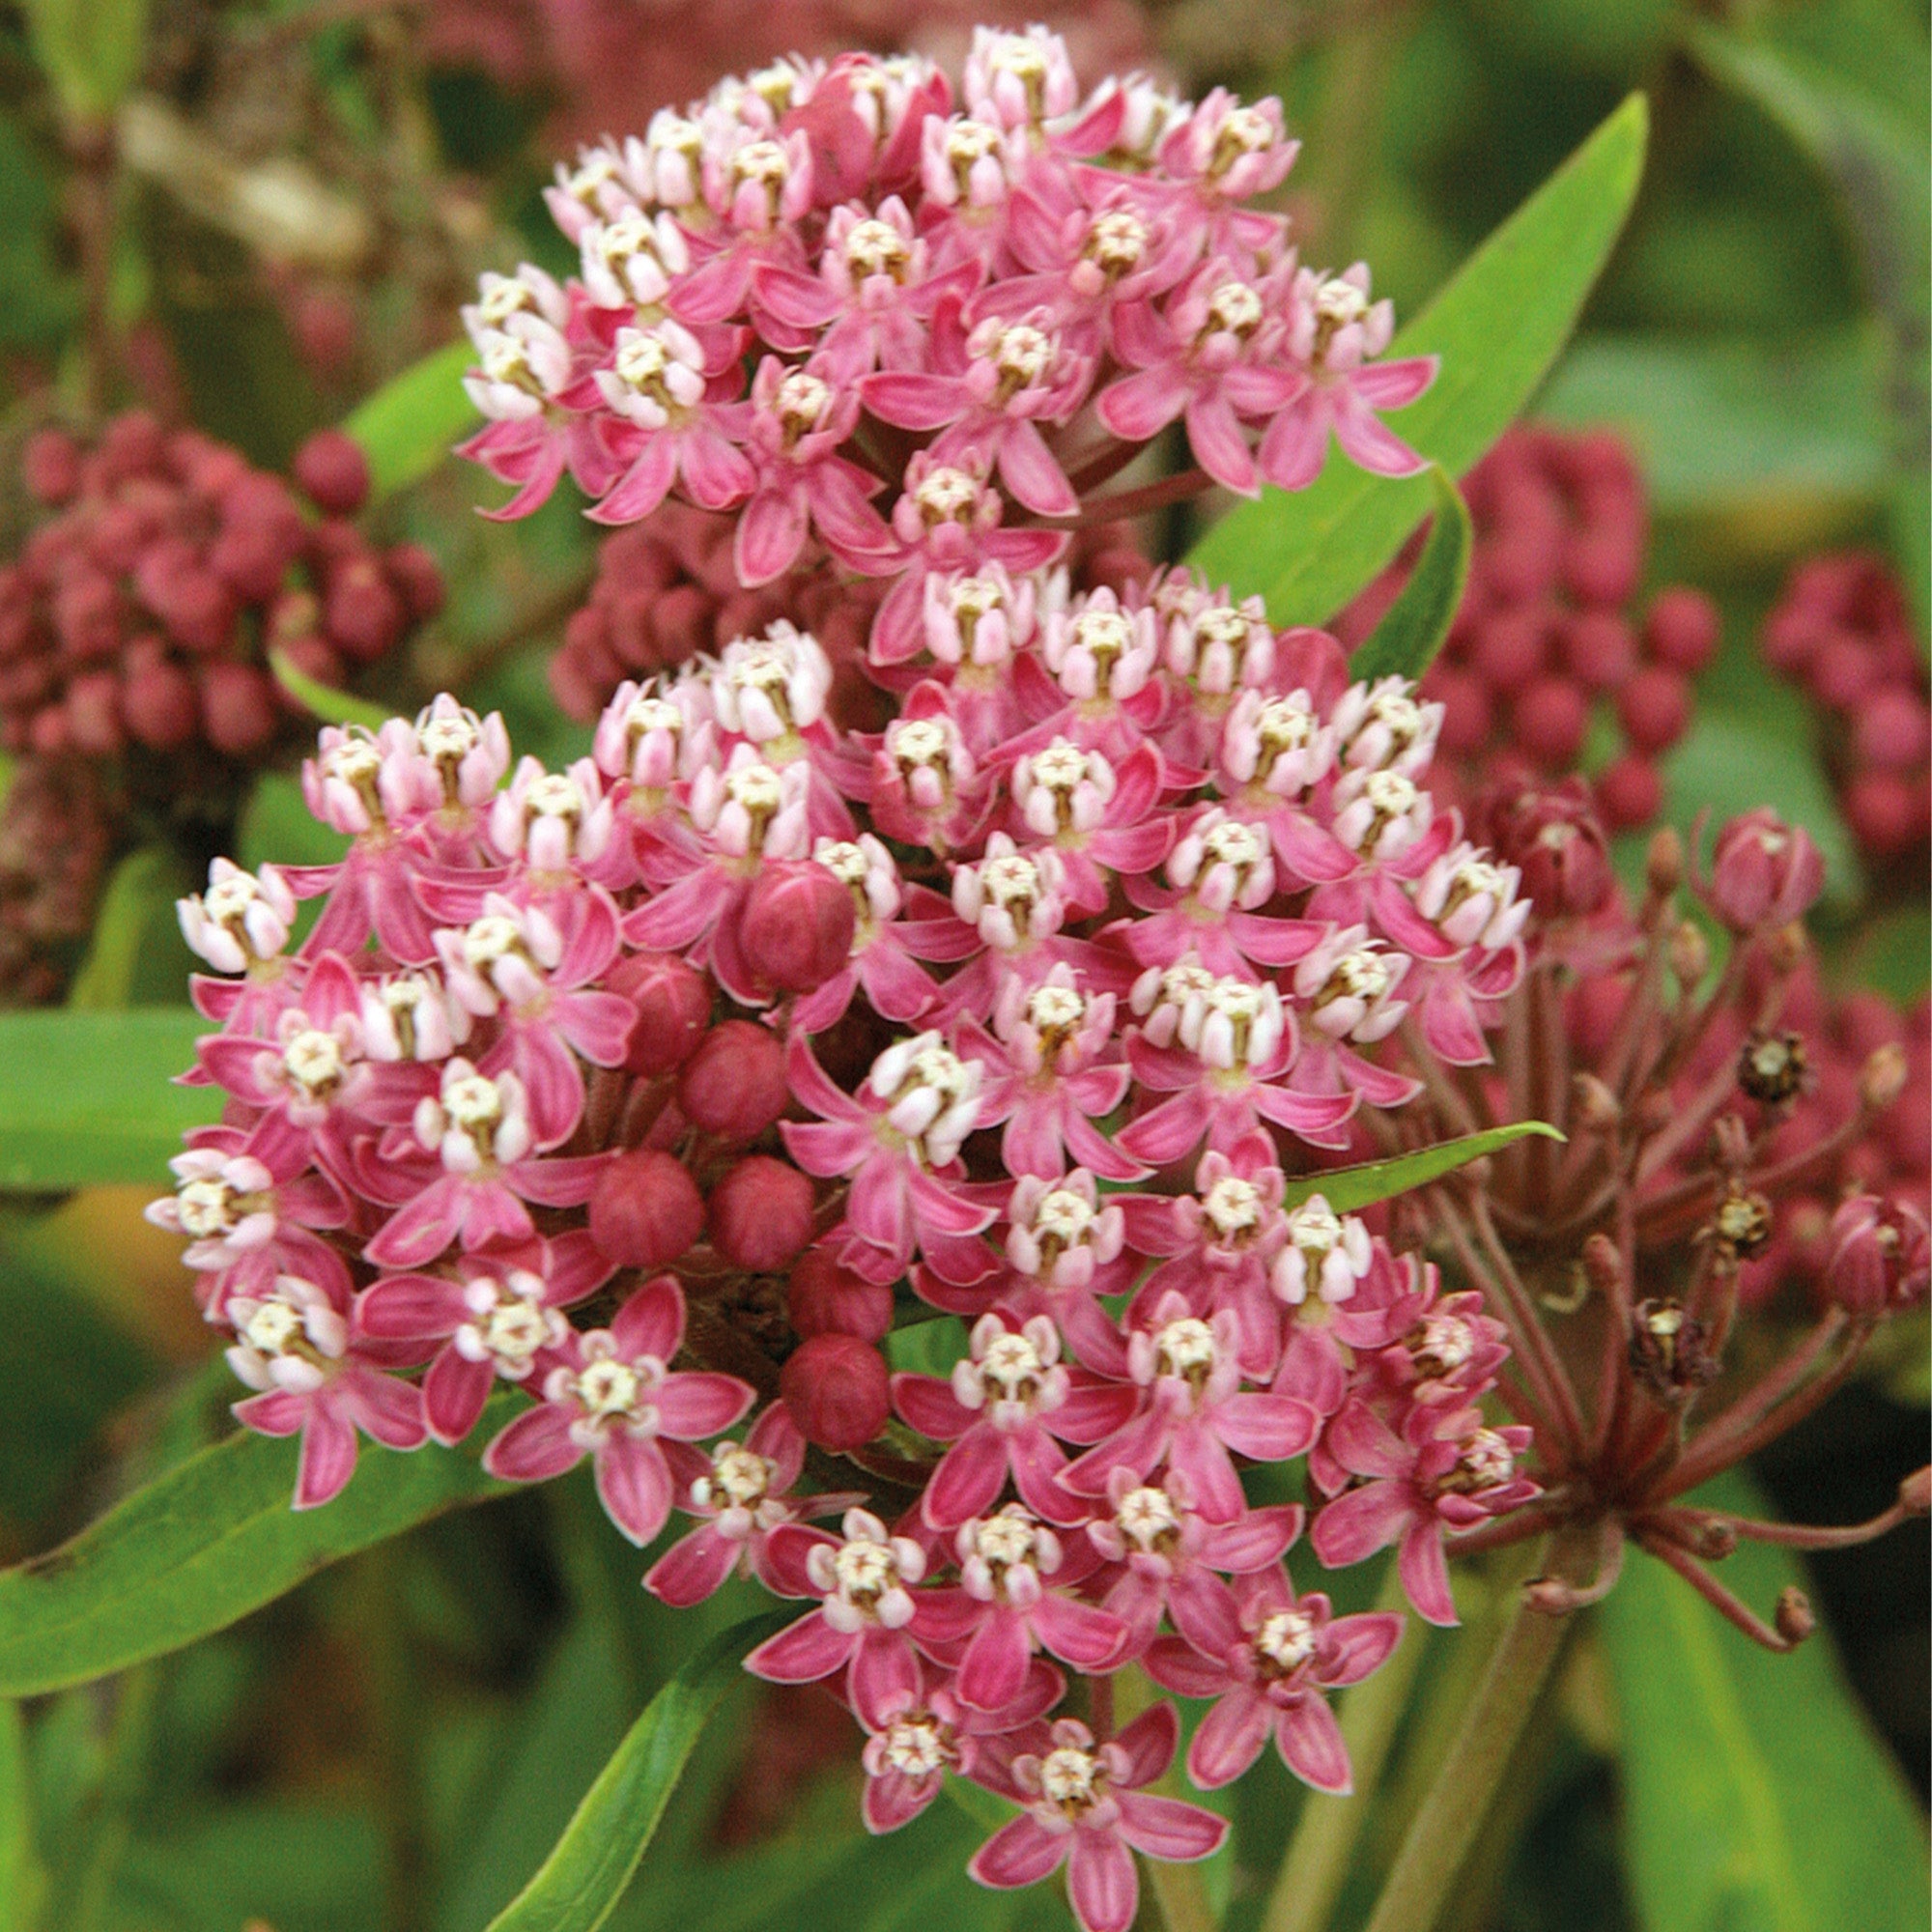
1312, 1874
1449, 1817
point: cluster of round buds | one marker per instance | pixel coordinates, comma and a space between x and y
141, 611
1843, 631
658, 1085
1548, 638
836, 282
60, 828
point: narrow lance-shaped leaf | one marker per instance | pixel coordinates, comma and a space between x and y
332, 706
578, 1887
203, 1544
19, 1879
407, 426
1497, 326
1347, 1188
1754, 1792
1411, 630
87, 1098
136, 946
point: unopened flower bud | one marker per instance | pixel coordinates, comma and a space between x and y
673, 1003
645, 1210
823, 1299
1880, 1257
1553, 835
796, 932
50, 464
333, 472
1795, 1618
239, 708
417, 578
735, 1083
837, 1391
361, 611
158, 706
1602, 1266
760, 1215
1763, 872
1690, 956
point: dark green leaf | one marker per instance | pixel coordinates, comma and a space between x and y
407, 426
137, 949
205, 1544
1347, 1188
332, 707
1411, 632
1755, 1795
1497, 327
87, 1098
1720, 424
579, 1885
1873, 154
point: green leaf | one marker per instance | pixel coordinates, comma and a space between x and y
1873, 154
407, 426
1347, 1188
278, 829
1411, 632
19, 1881
137, 948
1727, 424
1755, 1797
88, 1098
90, 49
205, 1544
332, 707
1497, 326
578, 1887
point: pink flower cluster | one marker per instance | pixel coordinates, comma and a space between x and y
827, 281
1030, 1008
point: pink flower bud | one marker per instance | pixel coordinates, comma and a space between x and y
1886, 812
1880, 1259
50, 465
1763, 872
735, 1083
1599, 650
1682, 629
1552, 835
157, 706
796, 932
417, 578
94, 712
239, 708
330, 470
1550, 719
837, 1391
360, 611
760, 1215
646, 1210
673, 1003
1653, 707
823, 1299
1628, 792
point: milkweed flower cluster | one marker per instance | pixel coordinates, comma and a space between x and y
1047, 1006
829, 283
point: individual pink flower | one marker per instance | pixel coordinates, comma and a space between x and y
1049, 1079
926, 787
293, 1344
1014, 1573
882, 288
1087, 1810
1880, 1259
869, 1622
1273, 1680
743, 1495
1005, 1409
929, 1736
1197, 1412
611, 1397
1444, 1470
515, 964
1334, 331
1099, 821
884, 944
898, 1142
498, 1319
1172, 1560
798, 419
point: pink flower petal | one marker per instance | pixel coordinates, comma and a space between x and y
533, 1448
693, 1568
328, 1456
1311, 1744
801, 1652
633, 1484
1022, 1852
1230, 1737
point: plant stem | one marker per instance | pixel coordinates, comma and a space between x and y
1179, 1895
1452, 1814
1312, 1874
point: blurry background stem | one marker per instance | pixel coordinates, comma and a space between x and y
92, 192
